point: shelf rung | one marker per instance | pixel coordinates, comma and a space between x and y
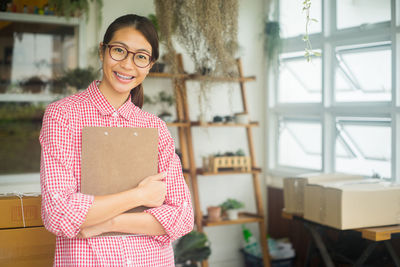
244, 217
222, 124
226, 172
178, 124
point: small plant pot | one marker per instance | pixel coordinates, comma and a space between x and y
202, 119
214, 213
242, 118
233, 214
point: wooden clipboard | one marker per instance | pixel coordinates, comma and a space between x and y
116, 159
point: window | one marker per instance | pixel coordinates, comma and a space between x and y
341, 111
34, 51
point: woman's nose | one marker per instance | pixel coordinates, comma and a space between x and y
128, 62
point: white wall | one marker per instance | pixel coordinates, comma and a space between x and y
225, 240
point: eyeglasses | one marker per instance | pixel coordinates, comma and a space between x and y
119, 53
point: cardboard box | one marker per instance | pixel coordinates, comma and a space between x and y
293, 188
11, 208
25, 247
352, 205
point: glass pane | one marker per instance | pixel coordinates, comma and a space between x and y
299, 144
363, 146
299, 80
363, 74
32, 55
20, 124
293, 19
352, 13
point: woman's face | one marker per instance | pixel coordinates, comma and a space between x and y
122, 76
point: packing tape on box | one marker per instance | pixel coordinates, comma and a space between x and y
20, 196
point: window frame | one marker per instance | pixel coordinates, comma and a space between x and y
328, 109
80, 28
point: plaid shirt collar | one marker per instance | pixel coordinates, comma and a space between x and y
126, 111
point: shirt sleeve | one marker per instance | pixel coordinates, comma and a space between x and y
63, 208
176, 214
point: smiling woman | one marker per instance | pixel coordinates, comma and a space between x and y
128, 50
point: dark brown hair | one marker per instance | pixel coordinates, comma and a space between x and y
146, 27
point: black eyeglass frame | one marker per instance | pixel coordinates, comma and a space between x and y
110, 46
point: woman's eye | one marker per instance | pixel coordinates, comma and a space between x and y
119, 50
142, 56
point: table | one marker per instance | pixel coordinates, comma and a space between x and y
378, 235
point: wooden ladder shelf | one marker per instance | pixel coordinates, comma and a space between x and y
191, 172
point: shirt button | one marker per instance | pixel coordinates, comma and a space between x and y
56, 196
185, 204
115, 114
123, 237
129, 262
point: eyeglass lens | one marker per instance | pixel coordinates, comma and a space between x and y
120, 53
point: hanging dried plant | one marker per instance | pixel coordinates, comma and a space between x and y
207, 29
166, 22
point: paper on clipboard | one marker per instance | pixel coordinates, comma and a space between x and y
116, 159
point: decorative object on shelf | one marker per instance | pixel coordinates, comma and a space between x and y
33, 84
228, 119
231, 207
191, 248
77, 79
272, 40
75, 8
234, 161
166, 100
242, 118
214, 213
218, 119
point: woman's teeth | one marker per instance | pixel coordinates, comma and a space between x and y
124, 77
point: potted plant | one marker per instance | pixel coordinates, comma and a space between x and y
166, 100
231, 206
33, 84
191, 248
77, 79
75, 8
214, 213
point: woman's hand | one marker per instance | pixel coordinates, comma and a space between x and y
152, 190
96, 229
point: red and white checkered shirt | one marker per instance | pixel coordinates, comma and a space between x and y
64, 208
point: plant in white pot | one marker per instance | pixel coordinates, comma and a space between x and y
231, 208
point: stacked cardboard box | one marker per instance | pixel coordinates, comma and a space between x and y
23, 247
353, 204
23, 239
293, 188
21, 211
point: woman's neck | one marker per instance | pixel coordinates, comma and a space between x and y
113, 97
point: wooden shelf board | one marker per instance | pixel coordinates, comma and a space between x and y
201, 77
220, 79
178, 124
166, 75
225, 172
213, 124
244, 217
379, 233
